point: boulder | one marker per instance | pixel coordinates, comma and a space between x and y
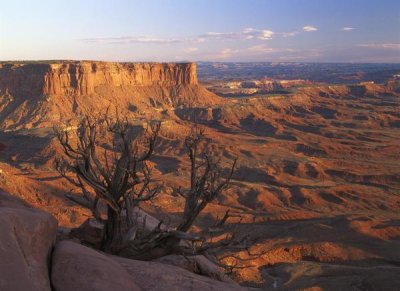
146, 221
76, 267
154, 276
27, 237
197, 264
89, 233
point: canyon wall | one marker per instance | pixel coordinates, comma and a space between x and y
39, 94
83, 77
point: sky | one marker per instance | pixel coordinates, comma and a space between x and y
201, 30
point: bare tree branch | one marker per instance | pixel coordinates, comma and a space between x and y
114, 182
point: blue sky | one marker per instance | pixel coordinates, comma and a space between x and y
208, 30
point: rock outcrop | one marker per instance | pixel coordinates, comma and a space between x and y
76, 267
30, 261
197, 264
90, 232
82, 78
27, 237
153, 276
41, 94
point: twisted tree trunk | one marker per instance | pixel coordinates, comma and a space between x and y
112, 236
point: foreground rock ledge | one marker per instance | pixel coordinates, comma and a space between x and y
27, 236
76, 267
28, 256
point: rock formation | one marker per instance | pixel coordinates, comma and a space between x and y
82, 78
40, 94
318, 176
27, 237
76, 267
31, 260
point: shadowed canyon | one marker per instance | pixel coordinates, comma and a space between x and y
317, 181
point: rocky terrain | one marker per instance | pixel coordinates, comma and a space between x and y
253, 88
39, 95
33, 259
317, 182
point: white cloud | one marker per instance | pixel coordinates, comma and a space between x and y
261, 48
216, 34
226, 53
246, 34
388, 46
133, 39
289, 34
191, 49
309, 28
248, 30
346, 28
265, 34
259, 52
266, 49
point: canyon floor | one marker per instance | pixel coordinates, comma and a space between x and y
317, 182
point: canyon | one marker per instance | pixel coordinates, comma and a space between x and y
39, 95
318, 175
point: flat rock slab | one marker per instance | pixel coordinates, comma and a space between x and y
76, 267
153, 276
27, 237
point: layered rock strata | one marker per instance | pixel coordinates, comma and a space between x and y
82, 78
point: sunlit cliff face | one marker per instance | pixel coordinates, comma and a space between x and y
81, 78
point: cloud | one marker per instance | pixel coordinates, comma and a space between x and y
289, 34
256, 52
261, 49
265, 34
245, 34
133, 39
309, 28
226, 53
346, 28
387, 46
267, 50
191, 49
248, 30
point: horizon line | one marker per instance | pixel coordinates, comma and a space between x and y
200, 61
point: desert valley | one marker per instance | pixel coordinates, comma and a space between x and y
316, 185
185, 145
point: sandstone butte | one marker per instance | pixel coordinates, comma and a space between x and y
40, 94
82, 78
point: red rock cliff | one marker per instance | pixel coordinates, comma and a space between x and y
81, 78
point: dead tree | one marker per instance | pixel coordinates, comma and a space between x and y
206, 179
207, 182
108, 164
113, 171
